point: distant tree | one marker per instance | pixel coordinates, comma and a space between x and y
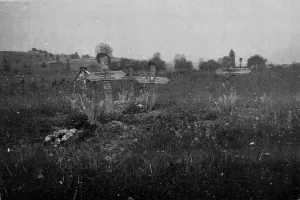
74, 56
201, 60
51, 55
86, 56
114, 65
33, 49
257, 60
124, 63
271, 65
224, 62
57, 58
209, 66
182, 64
143, 65
161, 65
296, 64
104, 48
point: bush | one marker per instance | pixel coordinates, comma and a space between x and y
209, 66
44, 65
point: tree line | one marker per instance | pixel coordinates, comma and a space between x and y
180, 62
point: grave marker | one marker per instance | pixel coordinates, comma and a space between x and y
107, 76
149, 78
104, 61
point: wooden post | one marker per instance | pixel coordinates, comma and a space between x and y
109, 103
131, 90
104, 61
95, 92
152, 83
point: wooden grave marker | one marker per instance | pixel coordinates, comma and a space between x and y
149, 78
104, 61
106, 76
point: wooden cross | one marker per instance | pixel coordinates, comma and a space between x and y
106, 76
148, 78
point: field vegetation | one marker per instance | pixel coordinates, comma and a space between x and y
206, 137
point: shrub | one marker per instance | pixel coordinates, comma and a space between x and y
226, 103
83, 104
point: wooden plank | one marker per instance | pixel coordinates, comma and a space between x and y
157, 80
109, 75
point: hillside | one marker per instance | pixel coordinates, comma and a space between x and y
19, 62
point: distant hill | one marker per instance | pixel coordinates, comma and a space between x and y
43, 62
19, 62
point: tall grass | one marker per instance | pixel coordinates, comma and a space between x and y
89, 107
207, 142
145, 98
226, 103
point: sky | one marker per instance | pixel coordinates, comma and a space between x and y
205, 29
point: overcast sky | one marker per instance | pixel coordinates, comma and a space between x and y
138, 28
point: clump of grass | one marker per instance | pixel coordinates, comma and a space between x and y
145, 99
227, 103
83, 104
144, 102
123, 96
122, 100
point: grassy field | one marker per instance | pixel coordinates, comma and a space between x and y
207, 137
